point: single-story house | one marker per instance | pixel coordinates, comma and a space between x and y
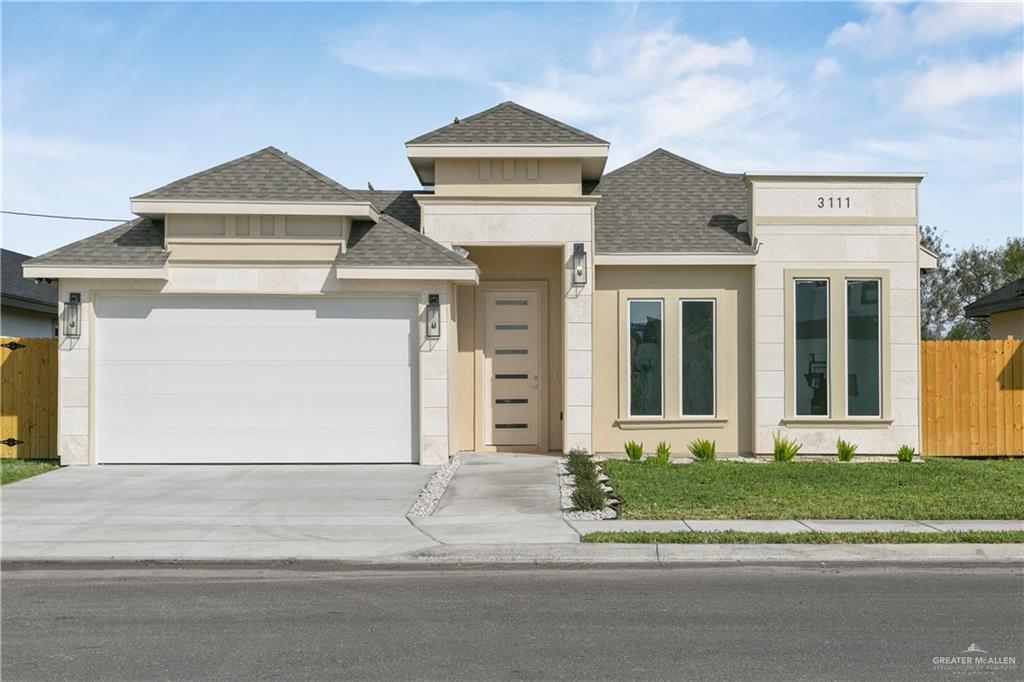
522, 300
1004, 309
28, 309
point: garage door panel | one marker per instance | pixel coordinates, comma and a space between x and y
256, 379
237, 378
261, 447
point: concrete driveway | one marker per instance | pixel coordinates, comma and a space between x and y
214, 512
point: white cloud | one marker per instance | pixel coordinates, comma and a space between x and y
893, 28
825, 68
948, 85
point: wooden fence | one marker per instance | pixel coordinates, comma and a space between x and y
972, 398
28, 398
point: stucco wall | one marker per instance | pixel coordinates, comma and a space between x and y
731, 289
76, 360
508, 177
877, 234
1010, 323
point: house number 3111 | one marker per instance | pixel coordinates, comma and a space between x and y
834, 202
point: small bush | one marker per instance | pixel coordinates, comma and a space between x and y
845, 450
785, 449
905, 453
662, 454
635, 451
581, 464
588, 496
703, 450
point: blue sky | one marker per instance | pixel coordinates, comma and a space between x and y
101, 102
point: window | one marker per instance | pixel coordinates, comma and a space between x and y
811, 334
697, 361
645, 371
863, 348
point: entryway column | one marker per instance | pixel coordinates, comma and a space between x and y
578, 362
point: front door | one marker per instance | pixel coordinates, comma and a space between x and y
512, 368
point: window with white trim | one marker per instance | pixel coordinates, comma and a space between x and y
644, 336
697, 358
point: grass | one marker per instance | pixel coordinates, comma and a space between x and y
12, 470
731, 537
936, 489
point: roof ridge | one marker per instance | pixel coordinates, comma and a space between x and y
440, 248
312, 172
510, 104
219, 166
67, 247
664, 152
552, 121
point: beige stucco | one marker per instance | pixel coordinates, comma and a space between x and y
507, 265
731, 289
508, 177
196, 238
1006, 324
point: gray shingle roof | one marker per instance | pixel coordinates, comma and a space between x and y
400, 204
1009, 297
137, 243
507, 123
266, 175
663, 203
15, 288
390, 243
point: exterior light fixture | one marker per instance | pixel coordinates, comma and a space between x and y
73, 316
579, 265
433, 316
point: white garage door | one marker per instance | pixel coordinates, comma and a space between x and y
255, 379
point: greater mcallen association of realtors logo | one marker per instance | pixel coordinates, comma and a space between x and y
974, 659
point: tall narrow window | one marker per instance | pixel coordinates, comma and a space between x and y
697, 334
863, 348
645, 373
811, 320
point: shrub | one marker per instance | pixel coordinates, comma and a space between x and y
635, 451
581, 464
702, 449
588, 496
662, 453
905, 453
785, 449
845, 450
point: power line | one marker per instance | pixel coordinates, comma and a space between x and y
66, 217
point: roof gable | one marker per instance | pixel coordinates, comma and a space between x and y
507, 124
663, 203
266, 175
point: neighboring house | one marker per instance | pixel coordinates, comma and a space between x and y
1004, 309
28, 309
259, 311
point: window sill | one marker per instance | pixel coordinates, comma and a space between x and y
639, 423
810, 422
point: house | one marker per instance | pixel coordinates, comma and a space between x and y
529, 301
1004, 309
28, 309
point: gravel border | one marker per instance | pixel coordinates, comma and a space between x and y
566, 486
426, 502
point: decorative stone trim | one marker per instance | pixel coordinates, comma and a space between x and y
566, 486
428, 499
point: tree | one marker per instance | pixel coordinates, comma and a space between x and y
961, 278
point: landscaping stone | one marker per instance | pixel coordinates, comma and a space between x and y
426, 502
566, 486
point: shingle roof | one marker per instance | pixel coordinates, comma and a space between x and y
266, 175
507, 123
16, 288
400, 204
663, 203
390, 243
1009, 297
137, 243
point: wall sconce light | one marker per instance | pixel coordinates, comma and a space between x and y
433, 316
579, 265
73, 316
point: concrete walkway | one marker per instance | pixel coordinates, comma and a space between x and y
500, 499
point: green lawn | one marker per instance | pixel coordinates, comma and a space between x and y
730, 537
12, 470
936, 489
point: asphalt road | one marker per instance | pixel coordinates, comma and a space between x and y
328, 622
